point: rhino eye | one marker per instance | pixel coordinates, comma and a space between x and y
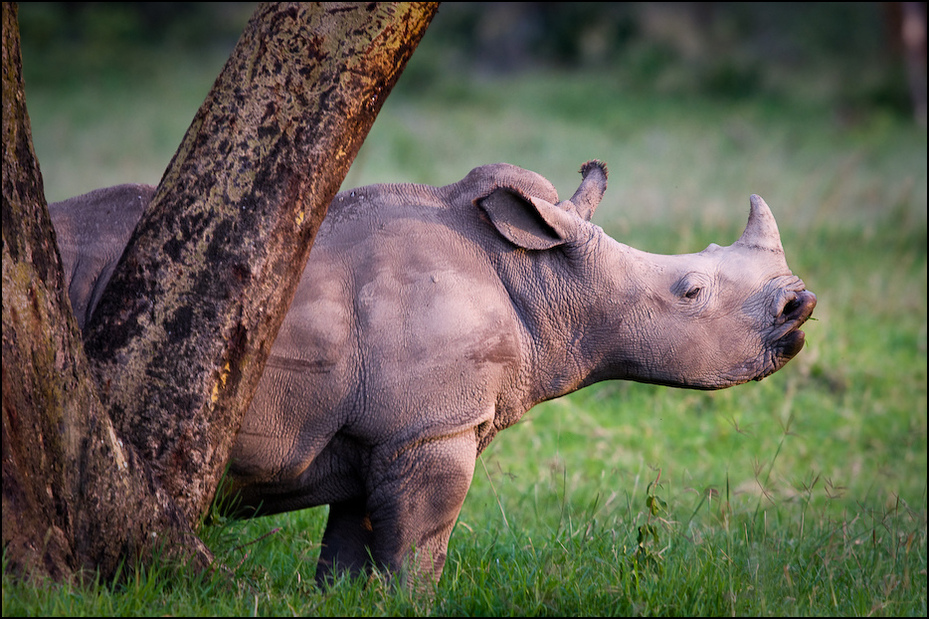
691, 288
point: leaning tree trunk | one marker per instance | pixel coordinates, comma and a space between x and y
181, 335
182, 332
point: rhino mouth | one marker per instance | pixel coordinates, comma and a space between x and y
788, 338
789, 345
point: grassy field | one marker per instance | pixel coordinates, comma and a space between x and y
804, 494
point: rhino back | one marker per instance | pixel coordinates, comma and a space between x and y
408, 274
92, 229
398, 321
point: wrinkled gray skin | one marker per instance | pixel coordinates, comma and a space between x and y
430, 318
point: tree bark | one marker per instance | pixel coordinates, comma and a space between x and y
180, 337
69, 484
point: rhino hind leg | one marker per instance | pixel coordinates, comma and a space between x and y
346, 543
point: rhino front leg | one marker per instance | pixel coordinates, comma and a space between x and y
415, 495
416, 502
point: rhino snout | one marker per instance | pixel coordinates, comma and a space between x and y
796, 309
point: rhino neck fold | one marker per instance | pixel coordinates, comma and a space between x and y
563, 354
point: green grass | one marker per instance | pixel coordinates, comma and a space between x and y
804, 494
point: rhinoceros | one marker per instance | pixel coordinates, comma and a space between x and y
428, 319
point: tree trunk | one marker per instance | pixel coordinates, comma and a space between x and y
181, 335
69, 484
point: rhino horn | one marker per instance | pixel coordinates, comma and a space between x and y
591, 189
761, 230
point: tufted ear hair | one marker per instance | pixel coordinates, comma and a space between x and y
591, 189
530, 223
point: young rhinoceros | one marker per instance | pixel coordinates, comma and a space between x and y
430, 318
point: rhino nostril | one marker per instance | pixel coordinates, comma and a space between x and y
798, 306
792, 306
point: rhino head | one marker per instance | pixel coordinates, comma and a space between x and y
714, 319
717, 318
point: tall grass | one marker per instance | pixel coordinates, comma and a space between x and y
804, 494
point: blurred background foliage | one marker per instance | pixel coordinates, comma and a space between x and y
112, 87
847, 54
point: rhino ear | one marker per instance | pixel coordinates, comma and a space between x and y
530, 223
761, 230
